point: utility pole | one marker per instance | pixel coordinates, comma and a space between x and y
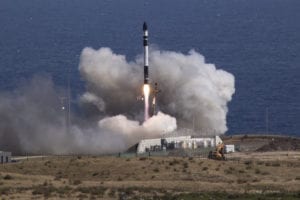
267, 120
69, 102
66, 105
194, 122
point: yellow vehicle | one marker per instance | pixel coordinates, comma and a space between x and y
218, 153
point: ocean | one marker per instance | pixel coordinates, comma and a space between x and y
258, 41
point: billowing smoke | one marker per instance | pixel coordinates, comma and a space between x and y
195, 92
117, 133
32, 118
32, 121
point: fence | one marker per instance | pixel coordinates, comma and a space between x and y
203, 152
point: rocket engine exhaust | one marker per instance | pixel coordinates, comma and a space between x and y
146, 90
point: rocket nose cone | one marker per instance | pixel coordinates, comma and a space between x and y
145, 26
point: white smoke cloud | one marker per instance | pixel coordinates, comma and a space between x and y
192, 90
117, 133
131, 131
32, 119
155, 126
93, 99
111, 77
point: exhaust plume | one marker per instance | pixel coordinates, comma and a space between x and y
192, 90
32, 118
146, 89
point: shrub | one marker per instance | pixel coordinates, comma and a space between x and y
92, 190
260, 162
95, 174
265, 173
57, 177
45, 183
185, 165
241, 181
76, 182
231, 168
47, 163
257, 171
248, 167
112, 193
174, 162
267, 164
7, 177
82, 196
42, 190
5, 190
248, 162
63, 190
277, 164
156, 170
255, 180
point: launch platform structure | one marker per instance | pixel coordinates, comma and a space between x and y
154, 101
66, 104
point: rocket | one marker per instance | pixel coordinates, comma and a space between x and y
146, 87
146, 54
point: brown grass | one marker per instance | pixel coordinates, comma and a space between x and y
108, 177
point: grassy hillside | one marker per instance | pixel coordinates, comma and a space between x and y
243, 176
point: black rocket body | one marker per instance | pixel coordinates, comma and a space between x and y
146, 54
